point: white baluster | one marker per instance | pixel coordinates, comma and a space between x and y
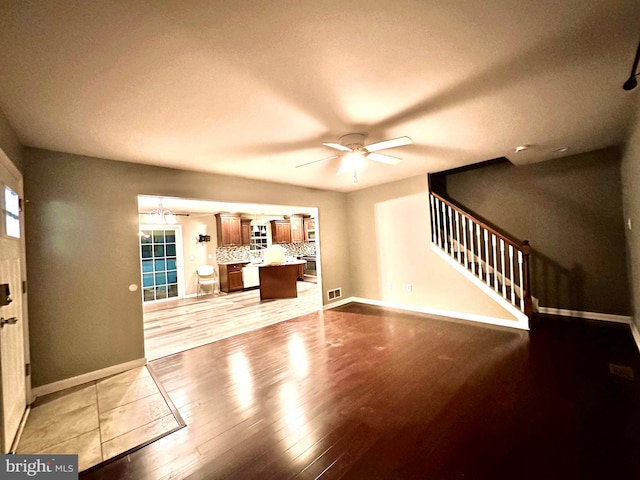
472, 227
464, 241
495, 262
433, 220
479, 251
503, 271
521, 281
513, 283
487, 262
458, 234
437, 214
444, 228
450, 217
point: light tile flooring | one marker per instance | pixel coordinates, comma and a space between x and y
98, 420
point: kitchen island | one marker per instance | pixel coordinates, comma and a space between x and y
279, 281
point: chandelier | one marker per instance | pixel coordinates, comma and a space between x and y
160, 216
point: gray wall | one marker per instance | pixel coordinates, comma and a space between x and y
82, 251
571, 211
631, 196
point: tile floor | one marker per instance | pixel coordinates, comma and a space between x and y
98, 420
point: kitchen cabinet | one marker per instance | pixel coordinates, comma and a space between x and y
309, 229
280, 231
246, 231
229, 228
297, 229
231, 277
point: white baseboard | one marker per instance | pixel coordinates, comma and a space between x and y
605, 317
339, 303
86, 377
519, 324
636, 334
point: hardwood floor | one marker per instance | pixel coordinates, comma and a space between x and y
174, 326
363, 392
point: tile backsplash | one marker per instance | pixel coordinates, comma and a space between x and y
241, 253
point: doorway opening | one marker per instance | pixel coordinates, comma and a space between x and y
177, 315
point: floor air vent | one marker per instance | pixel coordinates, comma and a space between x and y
335, 293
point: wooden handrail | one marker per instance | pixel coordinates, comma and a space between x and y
515, 243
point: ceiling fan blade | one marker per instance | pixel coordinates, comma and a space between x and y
316, 161
337, 146
394, 142
388, 159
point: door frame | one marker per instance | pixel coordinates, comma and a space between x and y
6, 162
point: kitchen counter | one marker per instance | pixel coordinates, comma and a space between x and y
279, 281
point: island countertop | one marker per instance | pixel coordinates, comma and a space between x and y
291, 262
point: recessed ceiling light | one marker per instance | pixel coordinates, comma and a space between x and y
522, 148
562, 150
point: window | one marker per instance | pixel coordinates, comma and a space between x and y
258, 237
11, 213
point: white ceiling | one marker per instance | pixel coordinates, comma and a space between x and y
252, 88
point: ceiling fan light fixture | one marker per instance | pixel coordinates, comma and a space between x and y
353, 161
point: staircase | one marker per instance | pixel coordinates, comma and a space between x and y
499, 264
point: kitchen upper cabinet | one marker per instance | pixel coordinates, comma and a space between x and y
246, 231
297, 229
229, 229
309, 229
280, 231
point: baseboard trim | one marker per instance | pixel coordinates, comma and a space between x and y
518, 324
339, 303
636, 334
605, 317
86, 377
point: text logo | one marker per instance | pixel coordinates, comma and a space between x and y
51, 467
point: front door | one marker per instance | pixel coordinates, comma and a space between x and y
13, 395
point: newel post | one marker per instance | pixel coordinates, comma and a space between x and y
528, 303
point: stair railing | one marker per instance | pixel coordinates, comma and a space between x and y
499, 262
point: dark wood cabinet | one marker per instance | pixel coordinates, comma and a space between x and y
297, 228
246, 231
280, 231
301, 271
231, 277
229, 229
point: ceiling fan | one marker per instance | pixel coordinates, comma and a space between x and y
354, 152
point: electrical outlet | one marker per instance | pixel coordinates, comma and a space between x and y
389, 285
409, 287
